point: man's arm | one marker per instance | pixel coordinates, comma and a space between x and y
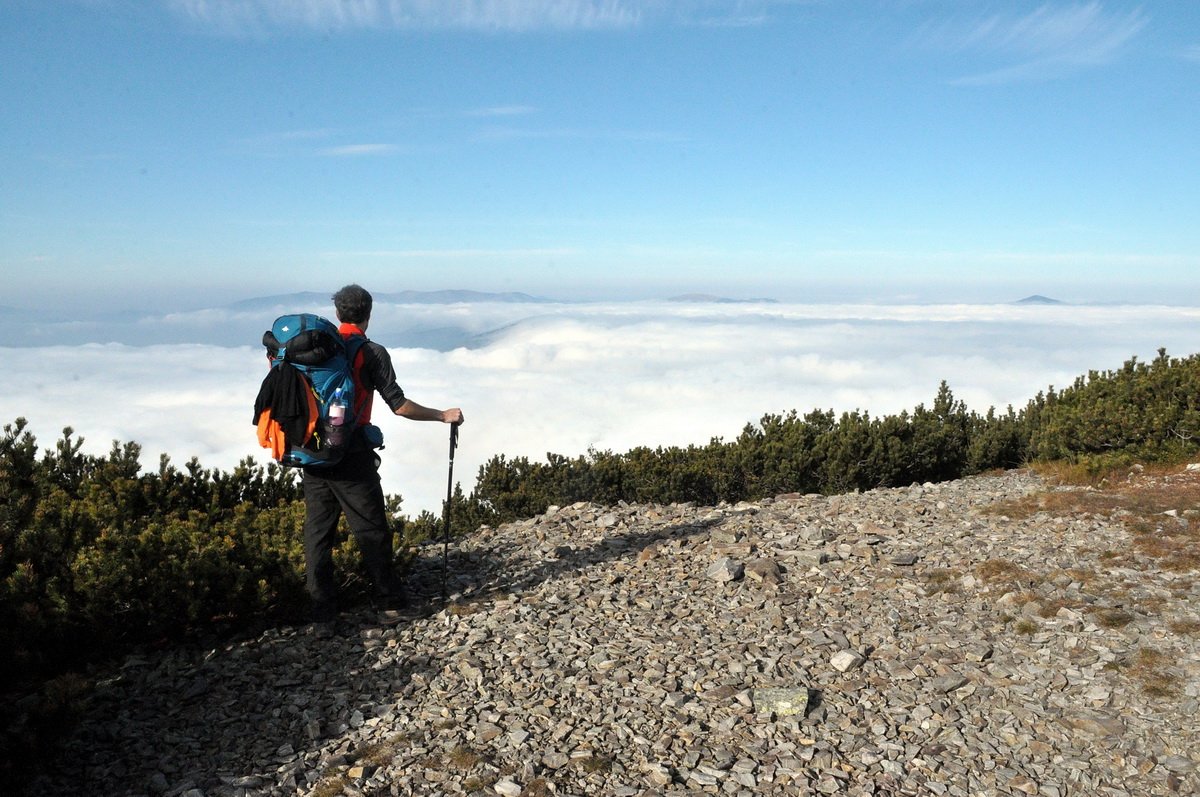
415, 412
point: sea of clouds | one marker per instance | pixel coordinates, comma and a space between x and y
534, 378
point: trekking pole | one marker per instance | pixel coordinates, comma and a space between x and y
446, 512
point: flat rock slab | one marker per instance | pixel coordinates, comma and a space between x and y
783, 702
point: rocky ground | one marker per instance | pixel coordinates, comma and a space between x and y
941, 639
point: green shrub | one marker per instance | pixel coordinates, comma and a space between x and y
1144, 411
1141, 411
96, 555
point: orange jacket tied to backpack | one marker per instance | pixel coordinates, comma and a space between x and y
310, 405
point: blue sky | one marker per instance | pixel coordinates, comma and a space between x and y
185, 152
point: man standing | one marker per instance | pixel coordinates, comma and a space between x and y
352, 486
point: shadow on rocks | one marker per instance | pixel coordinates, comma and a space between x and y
274, 711
193, 719
491, 570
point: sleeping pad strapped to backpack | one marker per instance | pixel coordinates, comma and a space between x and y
305, 408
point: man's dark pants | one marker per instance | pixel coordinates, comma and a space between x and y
351, 487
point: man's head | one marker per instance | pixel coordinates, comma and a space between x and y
353, 305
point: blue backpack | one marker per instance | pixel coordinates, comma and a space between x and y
305, 408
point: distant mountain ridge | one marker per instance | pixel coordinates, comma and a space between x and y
1038, 299
708, 298
459, 296
305, 298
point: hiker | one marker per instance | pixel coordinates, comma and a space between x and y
352, 486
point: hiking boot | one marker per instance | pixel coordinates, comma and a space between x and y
395, 600
326, 629
324, 612
325, 622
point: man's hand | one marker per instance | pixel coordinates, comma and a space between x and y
453, 415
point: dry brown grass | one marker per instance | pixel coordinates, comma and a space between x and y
1112, 618
464, 758
1170, 542
941, 580
1086, 475
594, 764
381, 753
539, 787
330, 786
1026, 626
1057, 502
1050, 608
1137, 498
1000, 572
1082, 575
1187, 627
466, 608
1151, 669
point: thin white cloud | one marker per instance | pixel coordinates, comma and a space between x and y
306, 143
731, 13
1050, 42
259, 16
569, 133
301, 135
451, 254
726, 14
287, 143
744, 21
241, 17
1191, 53
502, 110
358, 150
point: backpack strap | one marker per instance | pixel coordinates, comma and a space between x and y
356, 354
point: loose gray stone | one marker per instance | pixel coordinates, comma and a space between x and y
979, 651
556, 760
508, 788
764, 571
486, 731
845, 660
1179, 765
659, 774
725, 570
949, 682
1094, 724
808, 558
589, 651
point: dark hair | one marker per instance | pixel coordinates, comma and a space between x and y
353, 304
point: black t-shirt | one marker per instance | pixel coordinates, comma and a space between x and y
377, 374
